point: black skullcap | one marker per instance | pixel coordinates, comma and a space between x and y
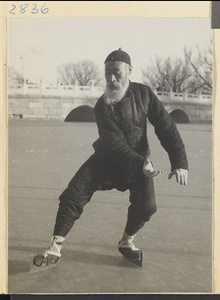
119, 55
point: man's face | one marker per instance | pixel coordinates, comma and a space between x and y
117, 74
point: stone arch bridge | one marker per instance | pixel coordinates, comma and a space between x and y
183, 108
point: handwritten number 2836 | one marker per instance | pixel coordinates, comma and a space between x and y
34, 9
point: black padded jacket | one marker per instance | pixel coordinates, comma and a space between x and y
122, 129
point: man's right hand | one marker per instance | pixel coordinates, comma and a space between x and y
149, 170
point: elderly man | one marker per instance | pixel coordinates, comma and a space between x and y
121, 158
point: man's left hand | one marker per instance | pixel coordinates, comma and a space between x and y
181, 176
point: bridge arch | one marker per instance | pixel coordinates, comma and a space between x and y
180, 115
79, 113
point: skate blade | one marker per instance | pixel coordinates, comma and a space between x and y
34, 268
137, 261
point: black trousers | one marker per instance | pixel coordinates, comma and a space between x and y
94, 175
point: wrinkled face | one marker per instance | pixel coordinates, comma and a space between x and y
117, 74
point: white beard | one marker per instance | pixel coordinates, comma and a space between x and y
114, 93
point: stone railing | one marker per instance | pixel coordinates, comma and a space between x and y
183, 97
96, 91
52, 90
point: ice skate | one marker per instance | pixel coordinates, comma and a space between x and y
129, 251
48, 258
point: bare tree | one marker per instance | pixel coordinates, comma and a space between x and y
167, 74
83, 72
179, 75
192, 74
201, 66
154, 75
14, 77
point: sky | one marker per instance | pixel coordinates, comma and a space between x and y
46, 43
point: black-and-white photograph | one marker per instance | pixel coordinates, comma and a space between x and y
109, 155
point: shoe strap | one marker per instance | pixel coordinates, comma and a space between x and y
45, 254
126, 244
